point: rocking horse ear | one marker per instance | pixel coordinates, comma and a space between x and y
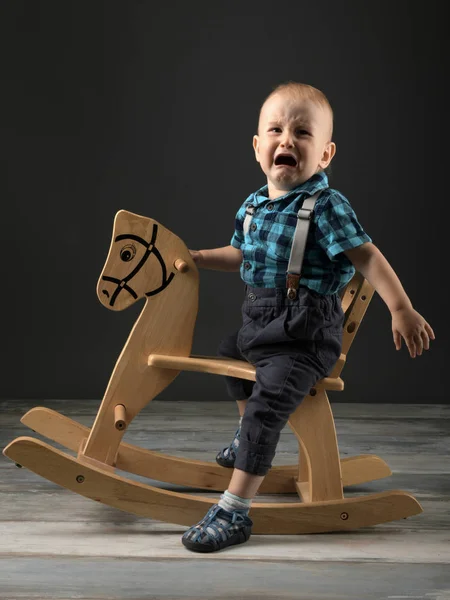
120, 214
125, 216
121, 217
129, 221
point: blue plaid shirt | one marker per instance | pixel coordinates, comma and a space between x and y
267, 245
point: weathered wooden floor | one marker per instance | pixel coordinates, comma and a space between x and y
57, 545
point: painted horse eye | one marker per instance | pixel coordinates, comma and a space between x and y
128, 253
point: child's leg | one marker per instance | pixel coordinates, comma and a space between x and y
288, 364
244, 485
282, 381
241, 404
240, 390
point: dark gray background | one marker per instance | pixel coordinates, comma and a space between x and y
151, 107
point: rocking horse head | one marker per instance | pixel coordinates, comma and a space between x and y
143, 261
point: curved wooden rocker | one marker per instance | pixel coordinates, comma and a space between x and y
147, 260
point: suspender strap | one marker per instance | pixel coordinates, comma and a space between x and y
248, 217
304, 216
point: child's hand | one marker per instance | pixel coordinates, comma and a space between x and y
196, 256
416, 332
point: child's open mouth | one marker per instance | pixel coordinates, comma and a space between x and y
286, 160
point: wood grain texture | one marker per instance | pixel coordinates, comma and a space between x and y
99, 484
225, 366
140, 264
190, 472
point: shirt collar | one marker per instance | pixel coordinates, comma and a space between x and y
318, 181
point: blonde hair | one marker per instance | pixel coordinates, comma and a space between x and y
304, 91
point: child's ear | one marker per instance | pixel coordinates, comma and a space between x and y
256, 146
327, 156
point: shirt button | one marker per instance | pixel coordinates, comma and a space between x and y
253, 227
270, 206
247, 266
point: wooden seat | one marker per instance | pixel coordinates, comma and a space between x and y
225, 366
148, 261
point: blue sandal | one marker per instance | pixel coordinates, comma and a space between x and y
211, 534
227, 456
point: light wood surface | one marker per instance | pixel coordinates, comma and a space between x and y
226, 366
165, 324
186, 509
190, 472
313, 424
356, 300
120, 417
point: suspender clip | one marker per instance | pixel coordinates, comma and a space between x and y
292, 283
305, 214
249, 212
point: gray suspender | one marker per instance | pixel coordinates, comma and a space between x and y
304, 216
248, 217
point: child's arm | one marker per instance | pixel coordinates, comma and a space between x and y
227, 258
406, 322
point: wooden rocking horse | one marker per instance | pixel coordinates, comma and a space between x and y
147, 261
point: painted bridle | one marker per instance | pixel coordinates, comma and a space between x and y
127, 254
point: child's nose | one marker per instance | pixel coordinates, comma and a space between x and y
288, 140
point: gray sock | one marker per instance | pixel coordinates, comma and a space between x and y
230, 502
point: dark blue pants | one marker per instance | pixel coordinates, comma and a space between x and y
292, 344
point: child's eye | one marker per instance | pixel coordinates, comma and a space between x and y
302, 132
275, 129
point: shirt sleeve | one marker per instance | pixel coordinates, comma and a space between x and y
337, 227
238, 236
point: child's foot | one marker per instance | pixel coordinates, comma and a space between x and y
227, 456
218, 529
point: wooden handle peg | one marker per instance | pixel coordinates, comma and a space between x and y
180, 265
120, 416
